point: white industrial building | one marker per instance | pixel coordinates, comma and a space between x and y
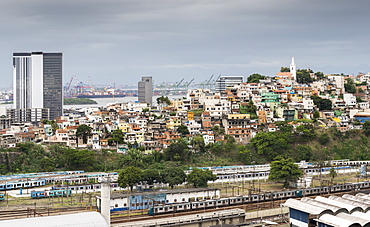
334, 211
144, 200
88, 219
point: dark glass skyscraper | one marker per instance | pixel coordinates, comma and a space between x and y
38, 81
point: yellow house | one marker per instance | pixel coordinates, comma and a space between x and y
190, 116
124, 127
238, 116
174, 121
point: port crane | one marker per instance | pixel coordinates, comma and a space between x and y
178, 84
188, 84
70, 82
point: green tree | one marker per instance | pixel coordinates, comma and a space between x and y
270, 144
366, 128
53, 124
47, 164
129, 176
134, 157
251, 108
358, 98
284, 69
80, 159
29, 159
225, 148
84, 131
303, 76
199, 178
117, 137
316, 114
350, 86
322, 104
173, 176
151, 176
163, 100
284, 170
198, 144
319, 75
217, 130
284, 127
305, 132
255, 78
183, 130
304, 152
178, 151
324, 139
332, 174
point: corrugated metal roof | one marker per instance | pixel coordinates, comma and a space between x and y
356, 198
364, 206
335, 209
362, 195
88, 219
361, 215
351, 208
305, 207
354, 219
336, 221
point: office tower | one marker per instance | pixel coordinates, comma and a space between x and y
37, 82
227, 81
145, 89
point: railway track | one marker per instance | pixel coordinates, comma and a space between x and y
40, 212
249, 207
124, 217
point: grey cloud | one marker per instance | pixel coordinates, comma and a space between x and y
125, 39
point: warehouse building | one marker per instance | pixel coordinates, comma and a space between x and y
334, 211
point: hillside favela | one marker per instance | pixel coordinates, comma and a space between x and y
289, 149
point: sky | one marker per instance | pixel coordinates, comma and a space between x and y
119, 41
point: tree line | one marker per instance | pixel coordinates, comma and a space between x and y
172, 176
296, 140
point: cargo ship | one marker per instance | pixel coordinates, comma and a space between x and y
92, 95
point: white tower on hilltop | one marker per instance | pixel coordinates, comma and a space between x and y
293, 69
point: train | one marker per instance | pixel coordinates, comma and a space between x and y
82, 187
41, 179
255, 198
30, 183
51, 193
347, 162
264, 174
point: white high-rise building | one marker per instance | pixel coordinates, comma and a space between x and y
293, 69
38, 82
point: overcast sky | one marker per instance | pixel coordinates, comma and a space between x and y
118, 41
